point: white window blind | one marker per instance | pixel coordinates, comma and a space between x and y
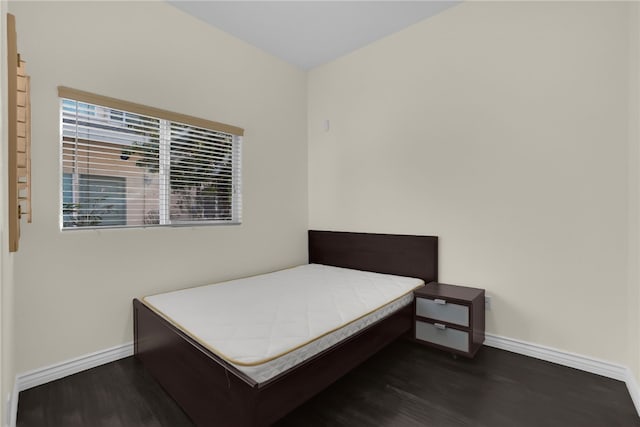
125, 169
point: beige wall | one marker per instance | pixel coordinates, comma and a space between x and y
7, 366
6, 374
634, 190
74, 289
506, 129
502, 128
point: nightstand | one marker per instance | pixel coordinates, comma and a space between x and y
449, 317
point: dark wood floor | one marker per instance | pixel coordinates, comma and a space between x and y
404, 385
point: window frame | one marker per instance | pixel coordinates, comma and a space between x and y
168, 118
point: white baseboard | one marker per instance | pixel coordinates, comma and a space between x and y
572, 360
634, 389
44, 375
13, 407
27, 380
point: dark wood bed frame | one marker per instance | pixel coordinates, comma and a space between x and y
214, 393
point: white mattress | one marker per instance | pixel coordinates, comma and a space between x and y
266, 324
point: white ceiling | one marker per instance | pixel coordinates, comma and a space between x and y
311, 33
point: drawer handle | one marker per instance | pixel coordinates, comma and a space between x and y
440, 326
440, 301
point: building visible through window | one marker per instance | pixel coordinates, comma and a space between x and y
123, 169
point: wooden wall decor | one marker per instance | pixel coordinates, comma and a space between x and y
19, 130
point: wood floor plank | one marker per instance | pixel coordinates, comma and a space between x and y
406, 384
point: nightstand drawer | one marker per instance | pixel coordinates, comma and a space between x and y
443, 310
443, 336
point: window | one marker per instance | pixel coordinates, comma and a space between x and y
127, 165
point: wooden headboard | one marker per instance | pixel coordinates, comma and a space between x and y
403, 255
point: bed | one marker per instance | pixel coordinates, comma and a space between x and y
218, 386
